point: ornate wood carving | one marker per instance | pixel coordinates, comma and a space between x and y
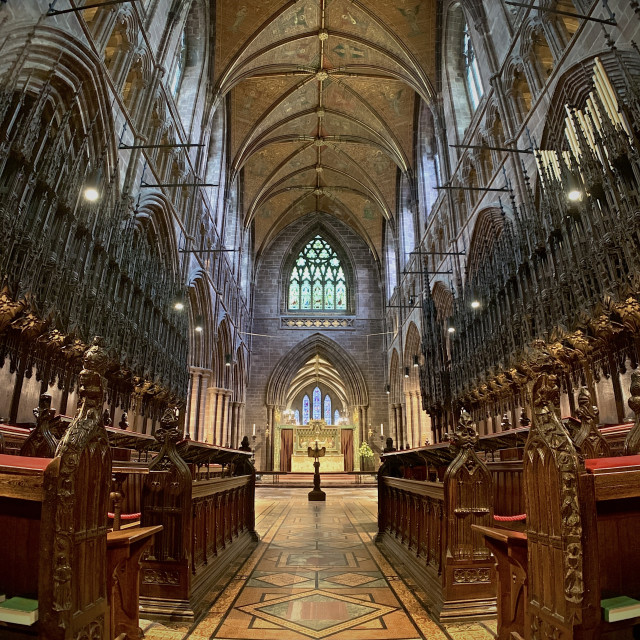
554, 522
589, 440
74, 516
632, 442
41, 443
468, 494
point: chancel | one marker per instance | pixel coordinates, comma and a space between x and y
389, 248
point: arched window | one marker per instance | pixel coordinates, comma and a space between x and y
317, 401
180, 63
296, 416
305, 410
471, 70
317, 281
336, 416
327, 409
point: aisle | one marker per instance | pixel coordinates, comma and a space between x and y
317, 574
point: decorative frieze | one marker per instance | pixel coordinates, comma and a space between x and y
298, 322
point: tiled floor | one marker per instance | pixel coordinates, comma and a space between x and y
316, 573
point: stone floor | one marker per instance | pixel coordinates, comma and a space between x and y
316, 573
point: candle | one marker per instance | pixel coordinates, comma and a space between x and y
254, 429
381, 429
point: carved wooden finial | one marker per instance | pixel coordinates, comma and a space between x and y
124, 421
632, 442
505, 424
41, 443
589, 439
465, 436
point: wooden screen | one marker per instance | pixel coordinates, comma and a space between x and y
347, 448
286, 449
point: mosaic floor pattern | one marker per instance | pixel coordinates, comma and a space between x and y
316, 573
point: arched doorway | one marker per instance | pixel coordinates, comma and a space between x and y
317, 380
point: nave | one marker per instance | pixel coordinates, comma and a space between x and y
317, 573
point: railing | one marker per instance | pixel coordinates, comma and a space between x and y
412, 512
328, 478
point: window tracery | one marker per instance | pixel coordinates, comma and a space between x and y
471, 71
327, 409
317, 401
317, 281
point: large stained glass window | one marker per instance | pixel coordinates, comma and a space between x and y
317, 400
327, 409
317, 281
305, 410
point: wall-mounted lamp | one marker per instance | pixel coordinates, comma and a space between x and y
388, 389
91, 190
475, 304
574, 188
199, 324
451, 329
416, 362
406, 372
178, 306
227, 360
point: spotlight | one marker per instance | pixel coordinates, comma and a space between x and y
406, 372
475, 304
574, 195
451, 329
388, 389
574, 188
198, 328
178, 306
415, 361
227, 360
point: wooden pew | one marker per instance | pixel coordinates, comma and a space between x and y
206, 523
426, 526
582, 526
53, 518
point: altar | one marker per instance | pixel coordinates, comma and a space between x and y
330, 437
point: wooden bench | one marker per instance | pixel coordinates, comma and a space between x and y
582, 525
206, 523
426, 526
53, 518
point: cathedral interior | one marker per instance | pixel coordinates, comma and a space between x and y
403, 232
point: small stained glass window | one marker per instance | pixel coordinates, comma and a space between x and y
327, 409
296, 416
317, 281
305, 410
336, 417
317, 400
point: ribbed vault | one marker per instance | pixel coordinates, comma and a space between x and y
322, 97
298, 367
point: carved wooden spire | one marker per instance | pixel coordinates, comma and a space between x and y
589, 439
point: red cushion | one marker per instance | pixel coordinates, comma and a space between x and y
592, 464
8, 462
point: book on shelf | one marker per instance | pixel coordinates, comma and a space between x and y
620, 608
19, 610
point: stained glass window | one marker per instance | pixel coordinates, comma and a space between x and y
317, 400
327, 409
472, 72
336, 417
305, 410
317, 281
296, 416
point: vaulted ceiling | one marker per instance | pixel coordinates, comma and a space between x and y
322, 97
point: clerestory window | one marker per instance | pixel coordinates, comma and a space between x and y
317, 281
471, 71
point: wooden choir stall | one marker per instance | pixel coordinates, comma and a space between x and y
186, 509
539, 523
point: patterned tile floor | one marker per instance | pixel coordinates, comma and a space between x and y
316, 574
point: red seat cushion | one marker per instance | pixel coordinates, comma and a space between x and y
592, 464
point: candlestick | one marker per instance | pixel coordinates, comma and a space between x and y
254, 429
381, 429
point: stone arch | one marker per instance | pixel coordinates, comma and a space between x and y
120, 44
285, 370
224, 352
412, 350
488, 226
200, 342
443, 300
153, 212
395, 378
